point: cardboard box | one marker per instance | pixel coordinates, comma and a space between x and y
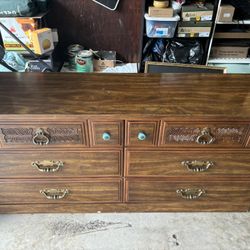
103, 60
160, 12
229, 52
42, 40
100, 65
196, 13
194, 29
22, 27
225, 13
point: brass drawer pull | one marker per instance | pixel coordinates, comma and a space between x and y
190, 194
198, 166
205, 137
47, 166
54, 194
40, 137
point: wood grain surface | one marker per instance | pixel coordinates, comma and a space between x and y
159, 163
159, 94
165, 191
98, 163
92, 191
185, 117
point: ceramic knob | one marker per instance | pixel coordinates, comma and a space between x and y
141, 136
106, 136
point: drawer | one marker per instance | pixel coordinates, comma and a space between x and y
193, 163
141, 133
20, 192
204, 134
38, 135
60, 164
106, 134
187, 192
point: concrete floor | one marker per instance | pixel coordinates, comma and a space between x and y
135, 231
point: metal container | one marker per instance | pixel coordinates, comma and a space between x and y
84, 61
72, 51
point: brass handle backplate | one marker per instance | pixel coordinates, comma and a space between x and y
198, 166
47, 166
190, 194
205, 137
41, 137
54, 194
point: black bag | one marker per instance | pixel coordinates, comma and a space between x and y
173, 51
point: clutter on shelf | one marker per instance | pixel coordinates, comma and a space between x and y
31, 39
82, 60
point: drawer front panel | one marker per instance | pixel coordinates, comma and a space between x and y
60, 192
38, 135
106, 134
60, 164
188, 192
142, 133
204, 135
193, 163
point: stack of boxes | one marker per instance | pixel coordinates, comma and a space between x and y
196, 20
234, 48
160, 20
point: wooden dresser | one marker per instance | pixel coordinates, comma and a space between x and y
116, 143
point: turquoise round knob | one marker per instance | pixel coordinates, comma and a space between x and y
106, 136
141, 136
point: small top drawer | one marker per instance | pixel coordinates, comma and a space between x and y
106, 134
204, 134
141, 133
38, 135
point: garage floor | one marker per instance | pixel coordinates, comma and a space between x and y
136, 231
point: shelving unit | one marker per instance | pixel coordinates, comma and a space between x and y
205, 41
227, 36
208, 42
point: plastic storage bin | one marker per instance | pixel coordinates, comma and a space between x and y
160, 27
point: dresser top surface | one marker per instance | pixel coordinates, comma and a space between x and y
144, 94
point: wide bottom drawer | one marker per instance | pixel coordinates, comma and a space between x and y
20, 192
188, 192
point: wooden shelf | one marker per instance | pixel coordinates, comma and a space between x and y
230, 60
236, 22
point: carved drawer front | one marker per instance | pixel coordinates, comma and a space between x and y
248, 142
140, 133
188, 192
204, 135
106, 134
60, 164
18, 192
193, 163
41, 135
